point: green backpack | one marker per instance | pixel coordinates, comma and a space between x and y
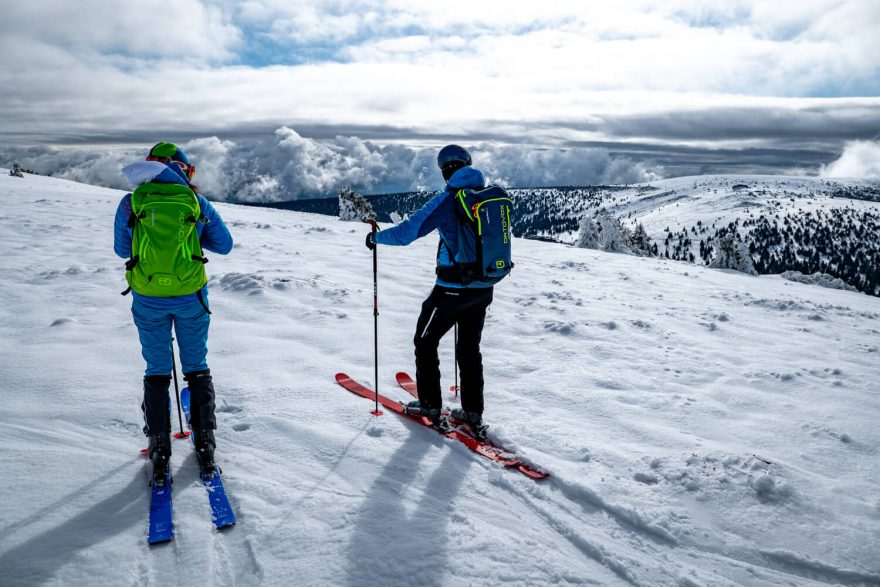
166, 256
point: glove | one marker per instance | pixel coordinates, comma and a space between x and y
371, 241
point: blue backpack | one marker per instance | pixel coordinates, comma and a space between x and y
484, 237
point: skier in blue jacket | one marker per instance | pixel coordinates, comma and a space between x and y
188, 314
454, 299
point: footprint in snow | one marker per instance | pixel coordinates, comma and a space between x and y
249, 284
63, 321
564, 328
229, 409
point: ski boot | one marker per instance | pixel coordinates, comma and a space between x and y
205, 444
438, 421
156, 406
201, 399
473, 420
160, 456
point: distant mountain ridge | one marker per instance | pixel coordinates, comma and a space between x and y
788, 223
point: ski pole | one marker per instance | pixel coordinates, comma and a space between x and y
376, 411
181, 434
456, 359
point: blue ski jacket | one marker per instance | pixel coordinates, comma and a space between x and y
440, 214
213, 235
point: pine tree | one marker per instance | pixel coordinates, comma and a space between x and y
588, 237
354, 207
605, 232
733, 254
641, 244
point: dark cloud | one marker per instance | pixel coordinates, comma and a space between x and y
780, 125
815, 132
679, 160
258, 162
182, 132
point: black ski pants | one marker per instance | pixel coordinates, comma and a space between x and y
444, 308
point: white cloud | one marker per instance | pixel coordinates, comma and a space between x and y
179, 29
211, 156
528, 167
859, 160
303, 167
289, 166
455, 68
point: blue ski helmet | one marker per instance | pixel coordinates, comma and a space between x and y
452, 153
451, 158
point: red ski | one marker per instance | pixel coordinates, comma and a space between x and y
407, 383
485, 449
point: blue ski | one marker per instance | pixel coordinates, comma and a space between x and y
221, 510
161, 526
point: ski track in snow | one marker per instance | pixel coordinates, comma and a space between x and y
701, 427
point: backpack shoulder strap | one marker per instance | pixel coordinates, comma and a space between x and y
465, 205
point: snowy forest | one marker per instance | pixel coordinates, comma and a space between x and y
804, 225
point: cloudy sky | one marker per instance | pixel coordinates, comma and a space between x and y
293, 98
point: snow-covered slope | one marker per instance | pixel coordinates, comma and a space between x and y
702, 427
682, 202
800, 224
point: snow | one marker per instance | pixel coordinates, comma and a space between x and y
817, 279
702, 427
681, 202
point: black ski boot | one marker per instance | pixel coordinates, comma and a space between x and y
473, 420
201, 400
438, 421
160, 457
205, 445
157, 408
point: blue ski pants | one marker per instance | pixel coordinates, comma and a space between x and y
190, 323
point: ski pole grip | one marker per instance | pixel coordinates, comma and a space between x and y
372, 222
